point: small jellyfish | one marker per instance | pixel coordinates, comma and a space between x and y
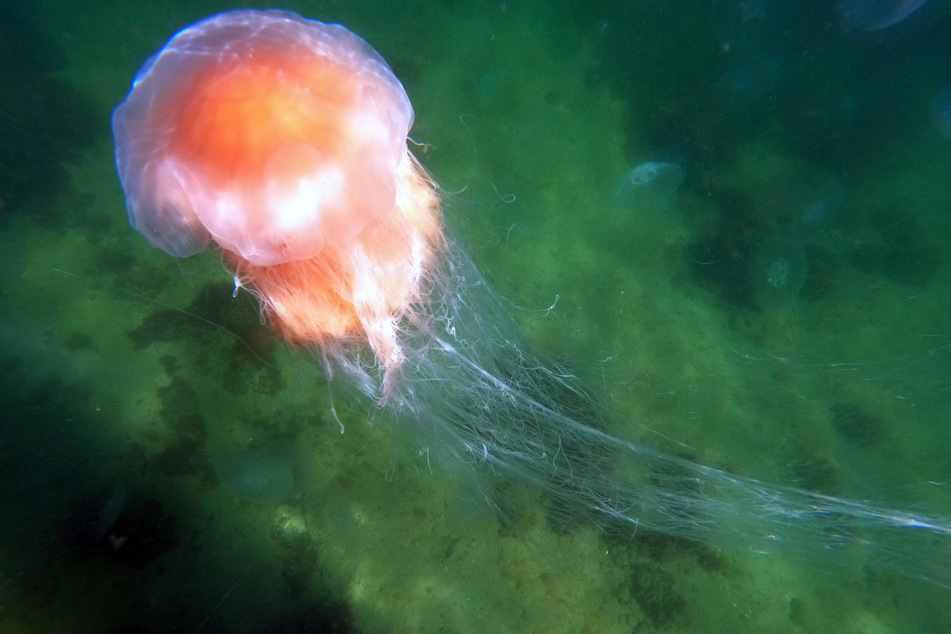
649, 183
778, 274
747, 23
260, 474
827, 203
942, 111
875, 15
749, 80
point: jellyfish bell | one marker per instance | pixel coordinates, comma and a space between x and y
941, 109
282, 141
651, 183
778, 273
876, 15
747, 24
290, 115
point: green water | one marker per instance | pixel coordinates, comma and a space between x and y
127, 371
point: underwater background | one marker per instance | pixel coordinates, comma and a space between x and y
770, 298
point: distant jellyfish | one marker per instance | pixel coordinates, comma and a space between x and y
749, 80
778, 273
942, 111
747, 23
260, 474
649, 183
818, 214
875, 15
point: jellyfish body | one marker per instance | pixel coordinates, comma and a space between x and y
282, 141
260, 473
778, 274
650, 183
941, 107
875, 15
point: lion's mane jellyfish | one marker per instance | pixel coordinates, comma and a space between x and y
282, 141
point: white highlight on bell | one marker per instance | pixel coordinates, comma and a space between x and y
296, 204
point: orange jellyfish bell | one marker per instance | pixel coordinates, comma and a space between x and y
283, 141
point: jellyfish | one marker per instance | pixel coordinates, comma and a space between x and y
826, 203
281, 142
778, 274
942, 111
749, 80
258, 473
320, 210
650, 183
748, 23
875, 15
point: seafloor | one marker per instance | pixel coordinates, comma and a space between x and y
129, 378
